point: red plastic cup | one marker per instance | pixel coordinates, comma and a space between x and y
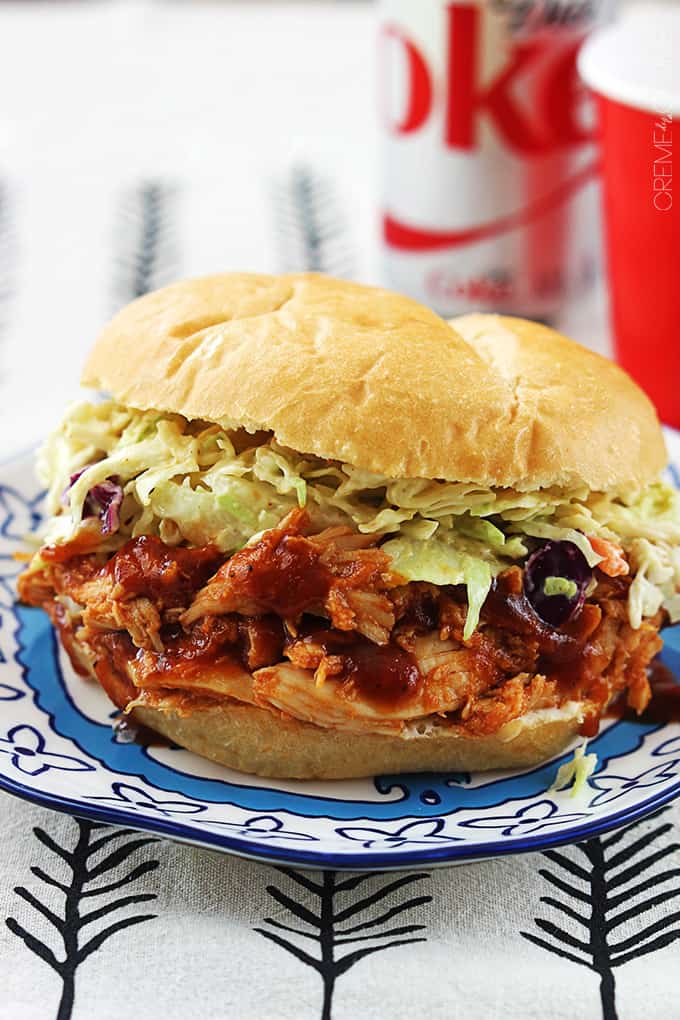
632, 68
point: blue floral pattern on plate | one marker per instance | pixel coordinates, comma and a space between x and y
420, 833
57, 748
28, 753
542, 814
136, 798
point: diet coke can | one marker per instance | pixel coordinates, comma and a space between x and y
490, 165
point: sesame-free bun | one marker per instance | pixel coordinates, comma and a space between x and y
368, 377
264, 743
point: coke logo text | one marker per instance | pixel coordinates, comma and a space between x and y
532, 101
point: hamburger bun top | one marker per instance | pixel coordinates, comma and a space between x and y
368, 377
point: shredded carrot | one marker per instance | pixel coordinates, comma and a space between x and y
613, 562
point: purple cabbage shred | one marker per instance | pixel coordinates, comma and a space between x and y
103, 501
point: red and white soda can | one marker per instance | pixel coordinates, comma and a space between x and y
490, 167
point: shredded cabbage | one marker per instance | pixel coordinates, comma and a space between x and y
575, 772
199, 482
656, 581
468, 553
440, 562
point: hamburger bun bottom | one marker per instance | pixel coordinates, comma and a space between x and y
262, 743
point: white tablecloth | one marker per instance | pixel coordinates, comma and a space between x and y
140, 142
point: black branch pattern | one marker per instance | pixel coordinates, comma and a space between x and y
615, 880
145, 249
97, 865
312, 234
334, 919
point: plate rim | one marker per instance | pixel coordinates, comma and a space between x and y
325, 860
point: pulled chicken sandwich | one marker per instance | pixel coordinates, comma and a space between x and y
318, 532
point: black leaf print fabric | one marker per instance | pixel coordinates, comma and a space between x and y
602, 889
312, 232
235, 938
145, 243
97, 865
343, 911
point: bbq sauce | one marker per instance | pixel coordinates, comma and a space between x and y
280, 575
664, 706
209, 643
171, 574
508, 607
384, 674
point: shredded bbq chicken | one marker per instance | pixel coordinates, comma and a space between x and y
332, 574
317, 626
